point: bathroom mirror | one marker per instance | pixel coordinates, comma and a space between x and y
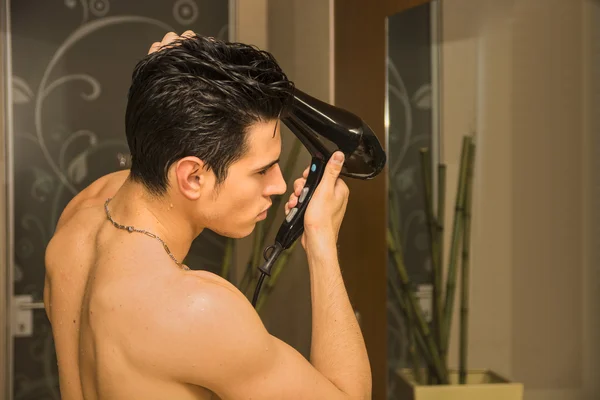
61, 129
411, 123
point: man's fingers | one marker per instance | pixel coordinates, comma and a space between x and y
305, 173
333, 168
291, 203
169, 38
155, 46
298, 185
188, 34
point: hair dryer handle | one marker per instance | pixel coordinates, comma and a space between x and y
293, 225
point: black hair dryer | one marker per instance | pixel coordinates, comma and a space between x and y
323, 129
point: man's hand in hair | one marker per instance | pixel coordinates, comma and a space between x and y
170, 37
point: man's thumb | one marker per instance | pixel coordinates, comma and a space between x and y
334, 166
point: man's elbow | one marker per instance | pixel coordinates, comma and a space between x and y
366, 393
362, 389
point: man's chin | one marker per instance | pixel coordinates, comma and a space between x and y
238, 233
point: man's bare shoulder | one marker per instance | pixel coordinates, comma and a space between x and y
75, 228
210, 297
210, 321
200, 279
93, 195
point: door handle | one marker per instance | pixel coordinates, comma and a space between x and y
22, 323
31, 306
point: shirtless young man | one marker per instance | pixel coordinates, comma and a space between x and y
129, 321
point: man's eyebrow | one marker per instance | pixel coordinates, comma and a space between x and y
269, 165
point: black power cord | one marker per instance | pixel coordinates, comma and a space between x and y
265, 269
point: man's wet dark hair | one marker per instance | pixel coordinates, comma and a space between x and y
198, 97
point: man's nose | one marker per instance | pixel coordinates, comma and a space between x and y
278, 187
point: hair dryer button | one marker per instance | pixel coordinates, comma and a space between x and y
291, 214
303, 195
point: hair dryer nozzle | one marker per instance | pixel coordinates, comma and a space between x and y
324, 129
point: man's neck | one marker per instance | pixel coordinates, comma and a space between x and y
162, 216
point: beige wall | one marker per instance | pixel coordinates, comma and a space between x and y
518, 72
250, 21
297, 33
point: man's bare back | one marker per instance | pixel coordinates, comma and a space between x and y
105, 315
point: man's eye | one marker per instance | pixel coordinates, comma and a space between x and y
264, 171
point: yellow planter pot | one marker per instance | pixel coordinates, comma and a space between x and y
481, 385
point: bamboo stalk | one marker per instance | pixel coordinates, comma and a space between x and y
412, 336
424, 335
433, 245
456, 239
464, 307
243, 286
427, 193
250, 274
227, 259
277, 268
414, 307
410, 326
255, 257
414, 359
395, 229
251, 266
257, 252
439, 282
441, 215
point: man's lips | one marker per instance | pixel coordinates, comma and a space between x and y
265, 210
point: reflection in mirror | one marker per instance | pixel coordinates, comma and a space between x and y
64, 116
411, 124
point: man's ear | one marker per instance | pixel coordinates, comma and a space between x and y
191, 177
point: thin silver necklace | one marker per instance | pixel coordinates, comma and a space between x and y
132, 229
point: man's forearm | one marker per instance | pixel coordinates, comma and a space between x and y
337, 350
